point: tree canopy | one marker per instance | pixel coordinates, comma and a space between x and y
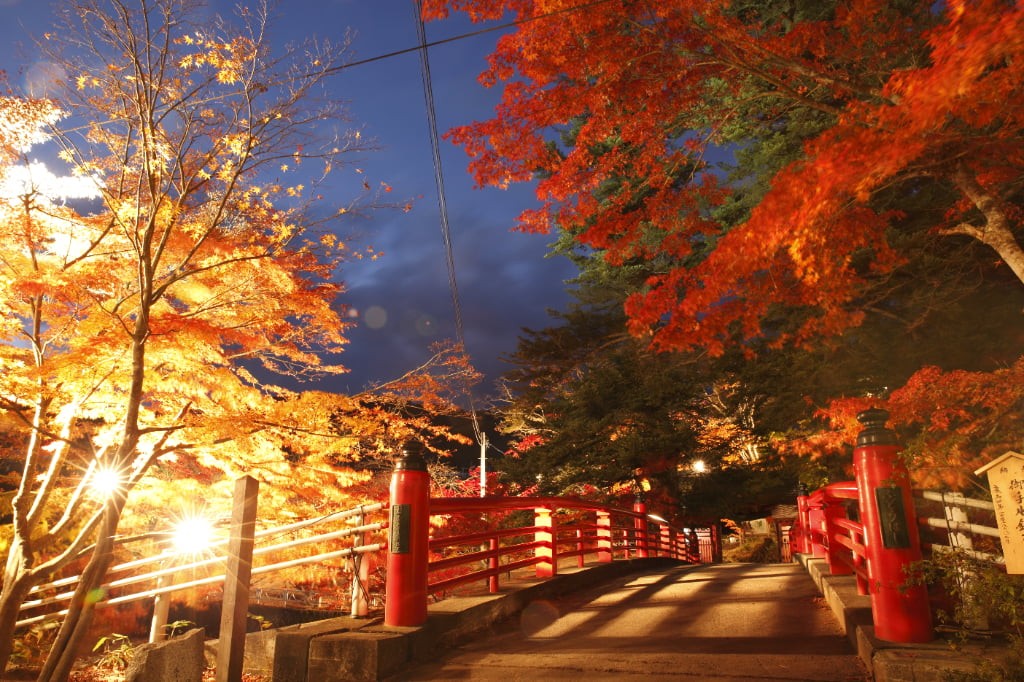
158, 324
832, 188
904, 91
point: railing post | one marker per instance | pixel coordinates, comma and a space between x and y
832, 512
231, 645
579, 549
492, 564
161, 609
955, 512
716, 543
640, 528
666, 540
360, 588
604, 537
405, 594
803, 534
546, 534
816, 528
901, 612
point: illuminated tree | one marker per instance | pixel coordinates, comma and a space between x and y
154, 327
905, 92
878, 142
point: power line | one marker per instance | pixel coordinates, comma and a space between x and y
442, 204
462, 36
428, 94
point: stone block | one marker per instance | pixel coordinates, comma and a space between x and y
179, 659
259, 652
358, 656
291, 648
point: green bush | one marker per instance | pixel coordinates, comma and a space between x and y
979, 600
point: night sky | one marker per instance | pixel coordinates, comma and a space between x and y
402, 300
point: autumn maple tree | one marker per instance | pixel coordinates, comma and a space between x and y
892, 132
156, 325
910, 89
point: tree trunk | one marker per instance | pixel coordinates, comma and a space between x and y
61, 657
996, 232
15, 591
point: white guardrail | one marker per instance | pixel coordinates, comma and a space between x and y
163, 573
960, 530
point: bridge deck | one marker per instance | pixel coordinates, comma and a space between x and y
725, 622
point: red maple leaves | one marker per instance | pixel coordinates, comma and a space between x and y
642, 91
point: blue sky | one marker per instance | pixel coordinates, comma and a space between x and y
504, 281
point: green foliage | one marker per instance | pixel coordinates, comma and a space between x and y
178, 627
116, 651
983, 602
263, 622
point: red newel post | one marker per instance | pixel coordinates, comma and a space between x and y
892, 542
405, 598
802, 535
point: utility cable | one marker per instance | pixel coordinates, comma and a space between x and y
442, 204
462, 36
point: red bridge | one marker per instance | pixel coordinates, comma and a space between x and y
532, 588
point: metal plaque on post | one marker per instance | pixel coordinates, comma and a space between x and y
892, 518
398, 530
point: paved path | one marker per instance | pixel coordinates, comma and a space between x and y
722, 623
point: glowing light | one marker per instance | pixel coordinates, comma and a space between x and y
193, 535
699, 466
105, 481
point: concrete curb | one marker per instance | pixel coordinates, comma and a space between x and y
350, 650
888, 661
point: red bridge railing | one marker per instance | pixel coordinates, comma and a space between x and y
829, 532
556, 528
868, 527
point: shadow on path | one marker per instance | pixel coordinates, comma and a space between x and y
725, 622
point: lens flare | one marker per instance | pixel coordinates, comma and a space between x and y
192, 536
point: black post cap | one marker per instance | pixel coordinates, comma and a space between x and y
875, 432
411, 458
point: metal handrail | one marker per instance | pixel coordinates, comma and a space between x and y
165, 571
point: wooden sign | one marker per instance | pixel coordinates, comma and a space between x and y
1006, 481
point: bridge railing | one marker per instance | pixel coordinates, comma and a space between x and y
470, 540
868, 527
834, 533
340, 539
558, 528
561, 528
